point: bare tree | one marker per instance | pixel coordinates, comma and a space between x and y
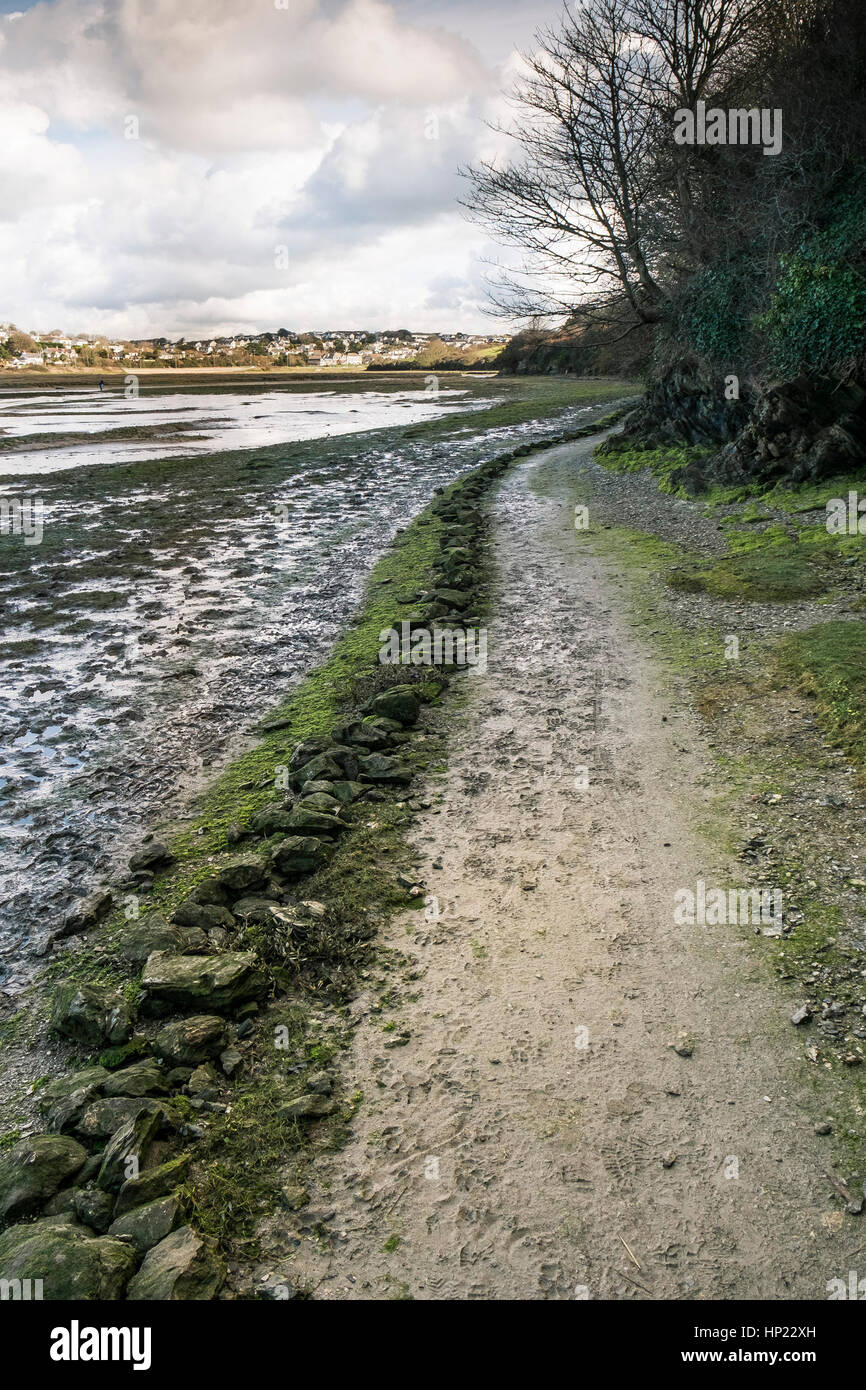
702, 44
599, 203
576, 202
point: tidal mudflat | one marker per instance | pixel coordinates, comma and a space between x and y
45, 430
172, 600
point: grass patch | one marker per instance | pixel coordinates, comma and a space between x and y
773, 558
238, 1163
620, 456
242, 1159
811, 497
84, 967
828, 662
645, 558
774, 572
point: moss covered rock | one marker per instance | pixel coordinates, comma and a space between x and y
69, 1260
188, 1041
378, 767
153, 1184
244, 874
305, 820
399, 703
33, 1170
141, 938
146, 1226
91, 1014
302, 854
219, 981
272, 818
145, 1078
103, 1118
182, 1266
126, 1152
93, 1207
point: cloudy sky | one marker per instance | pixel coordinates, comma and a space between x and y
210, 166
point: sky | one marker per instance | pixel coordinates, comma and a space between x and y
202, 167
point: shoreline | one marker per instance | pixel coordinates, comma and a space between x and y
190, 653
100, 990
270, 376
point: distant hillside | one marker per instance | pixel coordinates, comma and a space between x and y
440, 356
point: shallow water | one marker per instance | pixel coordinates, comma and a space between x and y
203, 422
169, 604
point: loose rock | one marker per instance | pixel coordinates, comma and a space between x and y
71, 1263
220, 981
182, 1266
33, 1170
146, 1226
152, 855
189, 1041
91, 1014
85, 913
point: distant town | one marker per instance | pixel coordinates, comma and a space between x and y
336, 348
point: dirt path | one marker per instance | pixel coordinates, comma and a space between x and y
495, 1156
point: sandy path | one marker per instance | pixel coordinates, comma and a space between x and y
501, 1157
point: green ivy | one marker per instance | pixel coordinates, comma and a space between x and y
715, 311
817, 316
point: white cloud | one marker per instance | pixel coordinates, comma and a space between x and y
34, 171
257, 127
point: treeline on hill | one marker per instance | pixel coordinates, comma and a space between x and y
579, 348
737, 275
